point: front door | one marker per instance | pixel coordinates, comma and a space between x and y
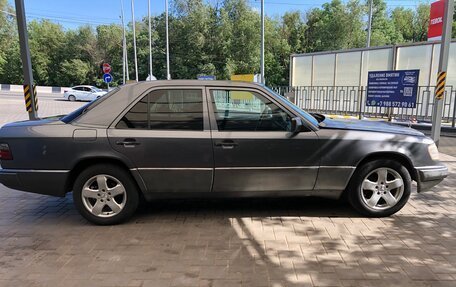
166, 135
253, 150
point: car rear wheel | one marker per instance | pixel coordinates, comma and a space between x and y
105, 194
380, 188
71, 98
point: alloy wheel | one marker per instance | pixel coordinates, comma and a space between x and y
382, 188
104, 196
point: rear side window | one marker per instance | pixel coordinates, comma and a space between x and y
166, 110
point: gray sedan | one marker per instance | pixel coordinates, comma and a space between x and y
212, 138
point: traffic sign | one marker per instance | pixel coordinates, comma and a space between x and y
393, 89
106, 68
207, 77
107, 78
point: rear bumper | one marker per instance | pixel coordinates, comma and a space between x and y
48, 182
430, 176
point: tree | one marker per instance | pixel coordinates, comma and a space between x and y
411, 24
335, 26
294, 31
383, 30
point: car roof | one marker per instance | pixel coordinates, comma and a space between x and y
83, 86
194, 83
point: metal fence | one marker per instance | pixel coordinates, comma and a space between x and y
351, 101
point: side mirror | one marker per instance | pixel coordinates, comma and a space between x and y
296, 126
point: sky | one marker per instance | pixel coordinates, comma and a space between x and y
73, 13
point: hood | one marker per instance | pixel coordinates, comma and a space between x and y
45, 121
371, 126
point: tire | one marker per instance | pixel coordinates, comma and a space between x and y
105, 194
373, 196
71, 98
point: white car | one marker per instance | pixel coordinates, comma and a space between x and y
83, 93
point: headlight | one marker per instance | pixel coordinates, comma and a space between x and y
433, 152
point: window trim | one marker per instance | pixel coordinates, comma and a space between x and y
213, 120
206, 125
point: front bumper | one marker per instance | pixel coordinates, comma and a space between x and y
48, 182
430, 176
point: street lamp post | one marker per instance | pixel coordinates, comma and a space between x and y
150, 42
369, 24
29, 91
134, 38
168, 74
262, 43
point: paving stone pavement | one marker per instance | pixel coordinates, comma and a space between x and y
231, 242
234, 242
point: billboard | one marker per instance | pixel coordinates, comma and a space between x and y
395, 89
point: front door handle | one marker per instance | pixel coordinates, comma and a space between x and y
226, 144
128, 143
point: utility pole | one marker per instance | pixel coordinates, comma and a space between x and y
168, 74
369, 24
134, 38
29, 89
443, 66
150, 42
262, 43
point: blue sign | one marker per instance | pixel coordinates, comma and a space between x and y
396, 89
107, 78
206, 78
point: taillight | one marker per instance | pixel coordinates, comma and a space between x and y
5, 152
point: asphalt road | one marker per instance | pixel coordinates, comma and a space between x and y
12, 106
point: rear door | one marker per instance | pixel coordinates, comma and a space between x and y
86, 94
166, 135
253, 150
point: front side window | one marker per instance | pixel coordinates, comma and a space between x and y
247, 111
166, 110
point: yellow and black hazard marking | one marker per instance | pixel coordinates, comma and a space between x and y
440, 89
28, 98
35, 97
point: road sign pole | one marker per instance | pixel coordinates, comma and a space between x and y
443, 65
26, 60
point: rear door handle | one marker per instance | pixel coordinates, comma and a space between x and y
128, 143
226, 144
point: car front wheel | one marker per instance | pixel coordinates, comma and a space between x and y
105, 194
380, 188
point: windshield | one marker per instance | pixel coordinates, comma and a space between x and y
97, 89
87, 107
305, 114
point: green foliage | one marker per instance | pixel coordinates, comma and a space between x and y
221, 39
412, 24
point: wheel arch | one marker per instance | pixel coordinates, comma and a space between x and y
86, 162
399, 157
